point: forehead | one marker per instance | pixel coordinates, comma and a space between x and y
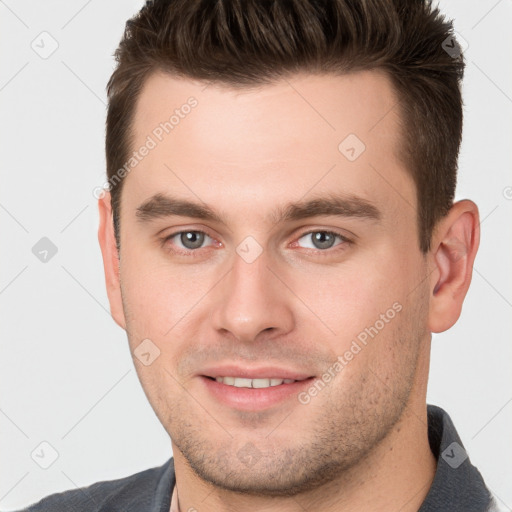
327, 106
300, 134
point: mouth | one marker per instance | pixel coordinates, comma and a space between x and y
254, 389
241, 382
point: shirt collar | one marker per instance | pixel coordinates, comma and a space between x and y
458, 485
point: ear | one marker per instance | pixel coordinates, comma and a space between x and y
111, 260
454, 246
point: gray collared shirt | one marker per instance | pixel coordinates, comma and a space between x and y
457, 486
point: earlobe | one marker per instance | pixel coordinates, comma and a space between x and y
106, 238
454, 247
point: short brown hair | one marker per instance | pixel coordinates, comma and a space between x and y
244, 43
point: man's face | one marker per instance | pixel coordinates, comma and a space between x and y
266, 291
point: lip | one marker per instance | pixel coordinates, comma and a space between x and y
254, 399
265, 372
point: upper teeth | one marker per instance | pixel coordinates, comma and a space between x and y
239, 382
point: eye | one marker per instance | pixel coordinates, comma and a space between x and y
323, 239
187, 240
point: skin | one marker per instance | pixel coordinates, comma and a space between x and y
360, 443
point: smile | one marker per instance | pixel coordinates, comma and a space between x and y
240, 382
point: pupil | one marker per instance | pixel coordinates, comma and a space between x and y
192, 239
323, 240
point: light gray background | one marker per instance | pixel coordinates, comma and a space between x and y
67, 377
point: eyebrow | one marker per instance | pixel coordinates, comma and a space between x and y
162, 206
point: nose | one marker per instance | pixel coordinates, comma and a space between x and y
251, 300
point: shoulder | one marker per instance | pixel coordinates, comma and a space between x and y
145, 490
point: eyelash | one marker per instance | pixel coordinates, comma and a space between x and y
194, 252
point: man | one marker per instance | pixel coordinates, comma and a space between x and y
279, 241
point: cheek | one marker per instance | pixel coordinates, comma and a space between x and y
157, 295
357, 299
352, 295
